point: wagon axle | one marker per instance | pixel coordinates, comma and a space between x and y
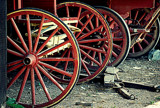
97, 35
30, 60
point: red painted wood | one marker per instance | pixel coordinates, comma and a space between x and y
123, 6
42, 4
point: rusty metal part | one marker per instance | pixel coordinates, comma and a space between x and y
124, 92
111, 80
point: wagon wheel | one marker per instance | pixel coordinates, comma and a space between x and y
94, 37
120, 34
138, 19
34, 46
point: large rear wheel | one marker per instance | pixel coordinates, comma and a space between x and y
36, 40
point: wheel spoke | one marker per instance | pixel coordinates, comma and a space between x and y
48, 39
148, 35
43, 84
130, 14
15, 53
86, 56
29, 33
15, 45
97, 22
19, 34
90, 23
51, 78
33, 87
112, 23
136, 15
14, 67
55, 69
91, 58
92, 40
80, 23
100, 58
14, 63
105, 47
39, 33
89, 33
52, 49
67, 11
85, 25
23, 85
85, 67
117, 46
116, 30
117, 38
142, 17
64, 53
78, 16
91, 48
105, 16
140, 46
66, 64
16, 77
57, 59
114, 54
146, 41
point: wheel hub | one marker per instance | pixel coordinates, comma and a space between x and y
97, 36
30, 60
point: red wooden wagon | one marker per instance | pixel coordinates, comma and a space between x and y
43, 49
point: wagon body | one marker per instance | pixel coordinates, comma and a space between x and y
120, 6
123, 6
42, 4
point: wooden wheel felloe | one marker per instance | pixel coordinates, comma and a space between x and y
36, 40
137, 20
120, 34
94, 37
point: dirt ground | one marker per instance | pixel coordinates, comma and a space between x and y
139, 70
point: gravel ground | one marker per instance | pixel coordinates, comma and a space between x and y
136, 70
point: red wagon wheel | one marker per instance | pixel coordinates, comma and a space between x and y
120, 34
35, 40
138, 19
94, 37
